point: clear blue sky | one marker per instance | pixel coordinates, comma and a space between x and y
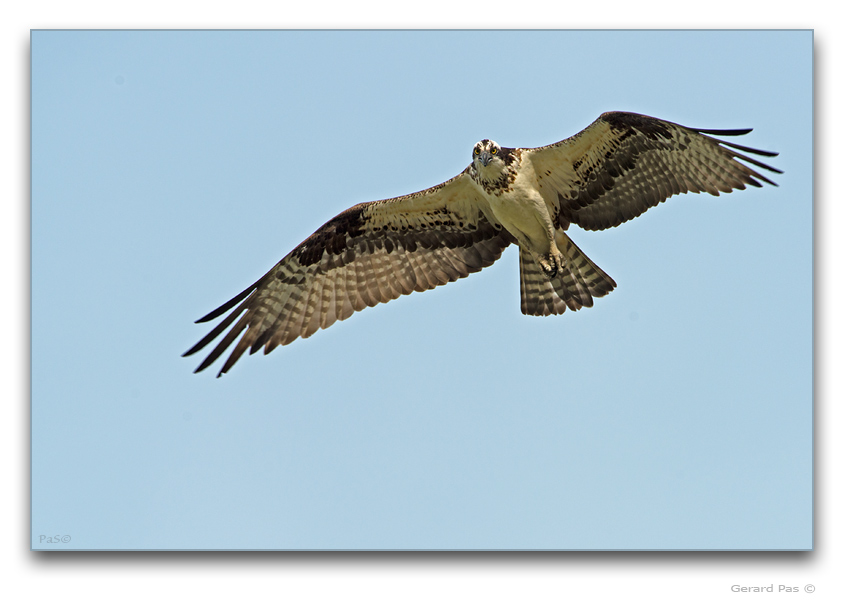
171, 169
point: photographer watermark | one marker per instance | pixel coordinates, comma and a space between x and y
53, 539
771, 588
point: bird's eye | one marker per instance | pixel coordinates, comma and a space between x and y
494, 150
477, 151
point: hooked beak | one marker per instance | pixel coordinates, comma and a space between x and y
485, 158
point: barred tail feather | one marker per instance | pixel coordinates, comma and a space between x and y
574, 286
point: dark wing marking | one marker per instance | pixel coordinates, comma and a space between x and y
371, 253
625, 163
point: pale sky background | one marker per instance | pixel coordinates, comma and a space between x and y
172, 169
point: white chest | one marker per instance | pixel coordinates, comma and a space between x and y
523, 212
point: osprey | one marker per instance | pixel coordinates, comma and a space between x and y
612, 171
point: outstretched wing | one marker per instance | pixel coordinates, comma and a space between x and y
625, 163
371, 253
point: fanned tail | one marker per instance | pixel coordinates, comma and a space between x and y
575, 285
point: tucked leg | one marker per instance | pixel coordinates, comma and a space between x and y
551, 263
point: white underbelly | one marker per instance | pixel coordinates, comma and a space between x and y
526, 217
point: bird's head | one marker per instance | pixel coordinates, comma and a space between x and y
487, 153
494, 167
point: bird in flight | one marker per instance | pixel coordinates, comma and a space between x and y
614, 170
